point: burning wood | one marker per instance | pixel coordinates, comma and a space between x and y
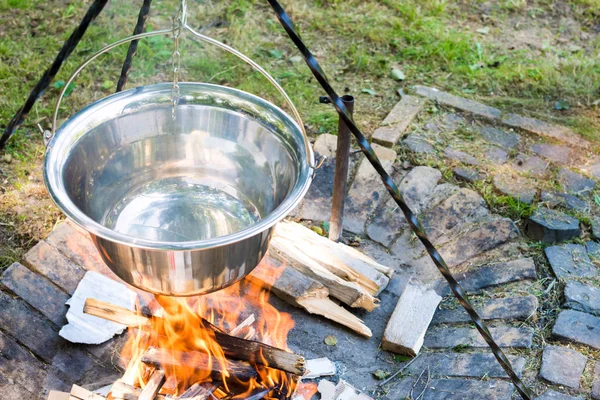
200, 391
157, 380
79, 393
121, 391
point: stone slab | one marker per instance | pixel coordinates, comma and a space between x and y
500, 136
458, 102
542, 128
37, 291
596, 382
578, 327
573, 182
468, 175
505, 336
581, 297
401, 116
418, 144
474, 365
520, 188
450, 389
530, 165
570, 261
496, 155
562, 366
554, 395
554, 199
49, 262
509, 308
19, 367
593, 249
596, 228
461, 156
552, 226
366, 191
552, 152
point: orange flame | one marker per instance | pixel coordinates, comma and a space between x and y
181, 325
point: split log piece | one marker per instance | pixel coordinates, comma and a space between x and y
200, 391
79, 393
122, 391
55, 395
153, 386
244, 324
233, 346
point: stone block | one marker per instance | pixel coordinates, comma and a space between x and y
556, 153
460, 103
500, 136
570, 261
401, 116
461, 156
577, 327
552, 226
573, 182
505, 336
520, 188
582, 297
562, 366
509, 308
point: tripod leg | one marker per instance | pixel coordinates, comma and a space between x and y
51, 72
139, 28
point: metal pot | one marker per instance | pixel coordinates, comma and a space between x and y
185, 205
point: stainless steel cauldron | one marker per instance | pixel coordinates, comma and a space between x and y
179, 206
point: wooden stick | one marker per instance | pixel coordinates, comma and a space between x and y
350, 293
121, 390
79, 393
155, 383
199, 391
301, 291
233, 347
245, 323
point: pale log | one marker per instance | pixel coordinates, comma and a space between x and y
408, 324
79, 393
153, 386
244, 324
233, 347
120, 390
199, 391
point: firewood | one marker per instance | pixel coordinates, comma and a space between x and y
199, 391
121, 390
233, 347
350, 293
153, 386
79, 393
244, 324
301, 291
160, 358
54, 395
408, 324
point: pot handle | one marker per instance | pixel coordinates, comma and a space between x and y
309, 152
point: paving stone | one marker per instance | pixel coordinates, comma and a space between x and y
570, 261
500, 136
441, 193
593, 249
458, 102
531, 165
496, 155
582, 297
594, 170
554, 395
575, 183
596, 382
401, 116
418, 144
37, 291
571, 202
552, 226
559, 154
19, 367
519, 308
517, 187
366, 191
30, 329
562, 366
461, 156
596, 228
505, 336
496, 274
461, 208
49, 262
578, 327
468, 175
545, 129
474, 365
450, 389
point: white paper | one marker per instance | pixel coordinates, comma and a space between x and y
319, 367
83, 328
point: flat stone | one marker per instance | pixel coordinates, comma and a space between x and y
366, 191
562, 366
554, 395
401, 116
575, 183
418, 144
570, 261
37, 292
505, 336
596, 382
552, 226
571, 202
545, 129
451, 389
559, 154
578, 327
416, 187
530, 165
49, 262
458, 102
461, 156
496, 274
582, 297
509, 308
475, 365
468, 175
19, 367
593, 249
30, 329
517, 187
500, 136
496, 155
596, 228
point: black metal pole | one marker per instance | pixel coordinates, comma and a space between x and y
51, 72
340, 178
139, 28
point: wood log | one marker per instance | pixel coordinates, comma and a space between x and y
301, 291
233, 347
405, 331
122, 391
350, 293
160, 358
153, 386
199, 391
79, 393
55, 395
244, 324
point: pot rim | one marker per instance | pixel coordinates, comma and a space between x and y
56, 188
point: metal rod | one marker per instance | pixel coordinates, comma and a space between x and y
51, 72
139, 28
340, 177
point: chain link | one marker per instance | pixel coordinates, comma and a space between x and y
178, 23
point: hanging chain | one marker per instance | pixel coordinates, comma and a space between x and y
178, 23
